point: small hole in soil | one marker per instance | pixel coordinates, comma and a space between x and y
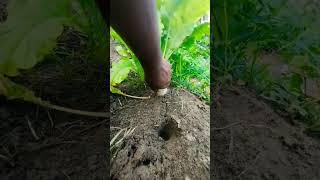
167, 130
146, 162
132, 150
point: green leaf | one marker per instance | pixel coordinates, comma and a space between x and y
30, 32
115, 90
15, 91
179, 18
158, 4
310, 70
121, 51
124, 50
295, 82
196, 35
117, 37
120, 71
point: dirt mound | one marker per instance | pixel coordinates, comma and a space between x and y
251, 141
69, 146
171, 139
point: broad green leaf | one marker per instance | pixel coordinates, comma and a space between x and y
120, 71
30, 32
158, 4
179, 18
115, 90
117, 37
121, 51
197, 34
124, 50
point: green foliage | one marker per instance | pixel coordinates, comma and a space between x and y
120, 71
15, 91
184, 42
124, 50
25, 43
191, 61
127, 63
179, 18
242, 29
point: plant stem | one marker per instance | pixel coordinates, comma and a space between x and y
135, 97
75, 111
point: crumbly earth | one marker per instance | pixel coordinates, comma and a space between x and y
171, 138
251, 141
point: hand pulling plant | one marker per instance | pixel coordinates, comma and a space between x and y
178, 27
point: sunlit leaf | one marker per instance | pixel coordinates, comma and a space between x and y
30, 32
179, 18
120, 71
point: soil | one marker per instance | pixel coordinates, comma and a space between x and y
252, 141
171, 138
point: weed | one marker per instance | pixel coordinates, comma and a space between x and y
245, 28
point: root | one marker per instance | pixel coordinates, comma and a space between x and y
135, 97
75, 111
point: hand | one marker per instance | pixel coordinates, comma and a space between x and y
162, 79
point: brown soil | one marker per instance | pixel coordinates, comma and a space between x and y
171, 139
251, 141
65, 146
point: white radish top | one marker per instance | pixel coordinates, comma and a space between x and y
162, 92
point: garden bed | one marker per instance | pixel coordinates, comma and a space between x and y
171, 137
252, 141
